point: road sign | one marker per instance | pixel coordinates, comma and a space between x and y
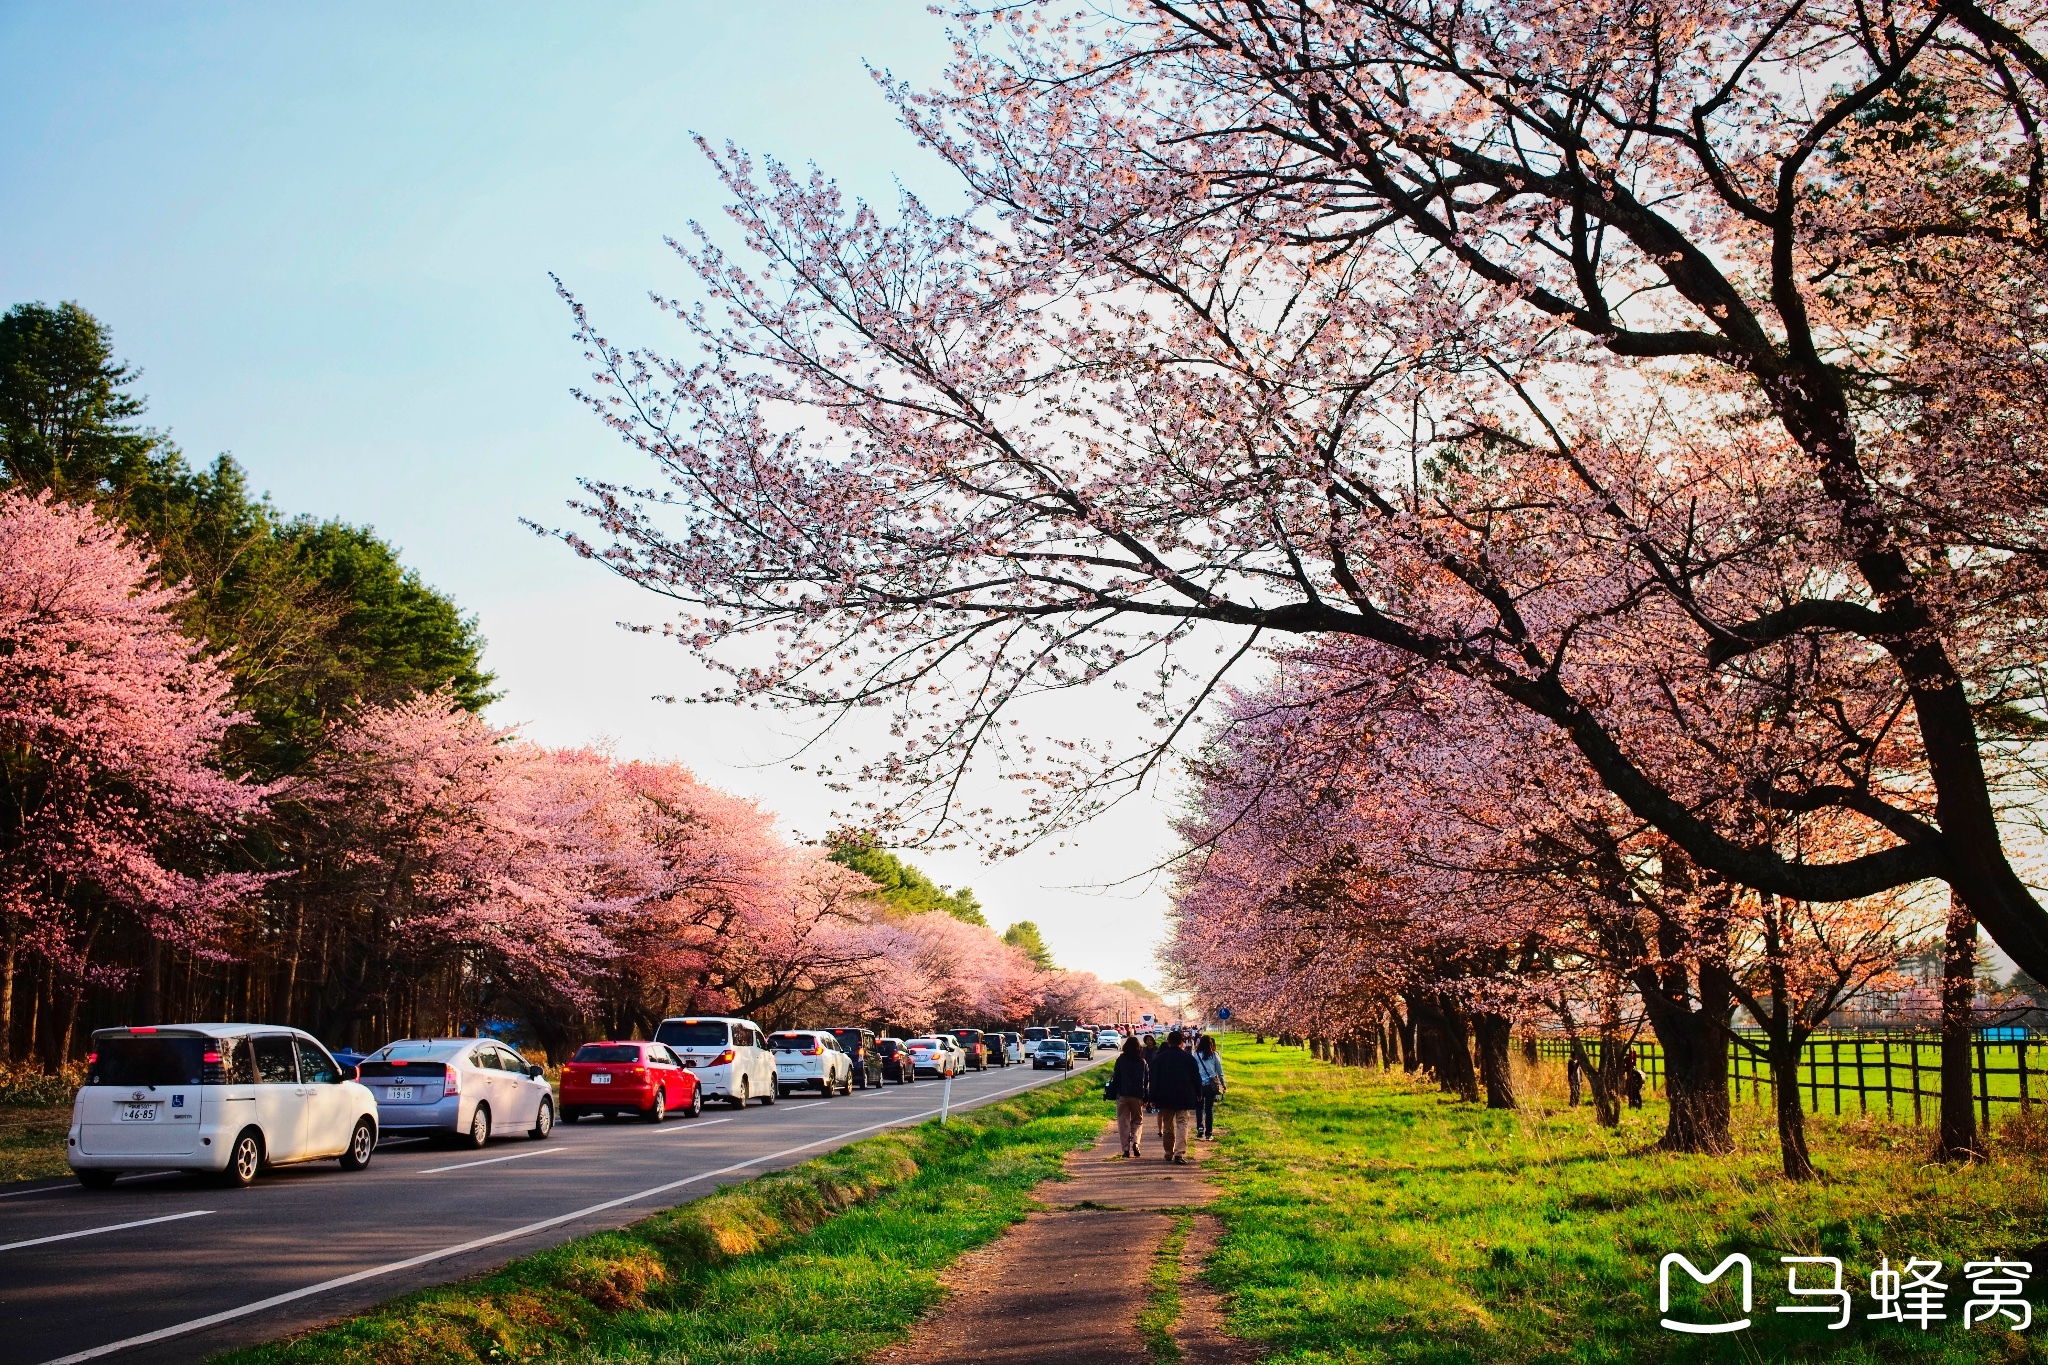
1223, 1013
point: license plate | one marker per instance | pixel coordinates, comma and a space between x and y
600, 1080
401, 1092
138, 1113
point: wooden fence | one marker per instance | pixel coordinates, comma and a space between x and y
1864, 1073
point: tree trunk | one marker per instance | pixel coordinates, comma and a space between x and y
1695, 1069
1529, 1055
7, 1004
1784, 1059
1404, 1026
1449, 1034
1959, 1140
1494, 1032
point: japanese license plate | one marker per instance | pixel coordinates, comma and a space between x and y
138, 1113
601, 1079
401, 1092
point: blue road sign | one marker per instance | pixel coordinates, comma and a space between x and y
1223, 1012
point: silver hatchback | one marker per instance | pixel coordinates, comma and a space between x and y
461, 1088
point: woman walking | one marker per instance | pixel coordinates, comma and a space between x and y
1209, 1063
1129, 1081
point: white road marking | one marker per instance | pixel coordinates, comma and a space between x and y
493, 1160
74, 1188
692, 1126
111, 1227
425, 1257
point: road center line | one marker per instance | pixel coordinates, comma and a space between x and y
111, 1227
692, 1126
425, 1257
493, 1160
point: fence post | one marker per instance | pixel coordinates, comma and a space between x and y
1835, 1047
1914, 1045
1983, 1083
1862, 1099
2026, 1100
1888, 1077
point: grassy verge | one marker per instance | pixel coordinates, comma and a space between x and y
1161, 1313
32, 1142
827, 1261
1370, 1219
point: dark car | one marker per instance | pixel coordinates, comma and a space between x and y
859, 1044
1083, 1043
1054, 1053
972, 1044
893, 1055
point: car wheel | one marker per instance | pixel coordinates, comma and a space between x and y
570, 1113
740, 1097
543, 1122
656, 1111
98, 1180
769, 1096
479, 1127
362, 1145
696, 1103
245, 1160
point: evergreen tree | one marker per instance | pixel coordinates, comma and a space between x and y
899, 885
1024, 936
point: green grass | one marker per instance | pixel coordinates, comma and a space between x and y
32, 1142
1370, 1219
1161, 1313
828, 1261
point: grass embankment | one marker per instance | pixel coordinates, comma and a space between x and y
35, 1113
827, 1261
1372, 1219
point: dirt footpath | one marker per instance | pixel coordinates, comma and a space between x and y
1066, 1286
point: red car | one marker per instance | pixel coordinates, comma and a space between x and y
643, 1079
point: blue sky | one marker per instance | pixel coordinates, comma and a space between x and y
324, 234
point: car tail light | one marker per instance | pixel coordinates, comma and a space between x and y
639, 1071
722, 1058
448, 1077
142, 1030
211, 1070
814, 1052
91, 1058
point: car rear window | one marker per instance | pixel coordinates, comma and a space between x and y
148, 1061
849, 1038
607, 1052
432, 1052
791, 1042
678, 1034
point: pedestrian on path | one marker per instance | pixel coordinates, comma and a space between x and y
1151, 1054
1129, 1082
1209, 1063
1176, 1090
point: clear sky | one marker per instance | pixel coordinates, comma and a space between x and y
324, 234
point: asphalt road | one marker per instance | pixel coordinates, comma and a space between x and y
169, 1268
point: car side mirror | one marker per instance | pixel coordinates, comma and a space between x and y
537, 1073
350, 1073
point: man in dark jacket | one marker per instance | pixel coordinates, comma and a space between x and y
1127, 1082
1176, 1090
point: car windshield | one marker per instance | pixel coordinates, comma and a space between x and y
691, 1033
148, 1061
792, 1042
429, 1051
1052, 1045
608, 1052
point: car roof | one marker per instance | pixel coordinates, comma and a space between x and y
215, 1030
711, 1019
619, 1042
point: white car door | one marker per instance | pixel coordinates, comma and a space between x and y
522, 1092
330, 1109
759, 1058
280, 1099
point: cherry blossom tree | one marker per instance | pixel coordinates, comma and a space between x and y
112, 805
1650, 369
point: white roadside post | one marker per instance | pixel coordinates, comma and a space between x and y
945, 1099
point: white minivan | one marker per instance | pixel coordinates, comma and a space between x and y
729, 1056
225, 1098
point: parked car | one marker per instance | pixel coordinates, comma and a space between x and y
1036, 1034
1013, 1048
998, 1047
614, 1078
810, 1058
1055, 1053
896, 1060
1083, 1043
727, 1055
463, 1089
973, 1049
1109, 1040
228, 1099
859, 1046
936, 1055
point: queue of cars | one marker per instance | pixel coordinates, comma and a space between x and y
233, 1099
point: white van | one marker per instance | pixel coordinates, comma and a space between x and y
225, 1098
730, 1057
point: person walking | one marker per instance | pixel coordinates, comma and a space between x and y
1128, 1081
1151, 1053
1209, 1063
1176, 1091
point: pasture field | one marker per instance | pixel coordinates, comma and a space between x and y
1371, 1219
